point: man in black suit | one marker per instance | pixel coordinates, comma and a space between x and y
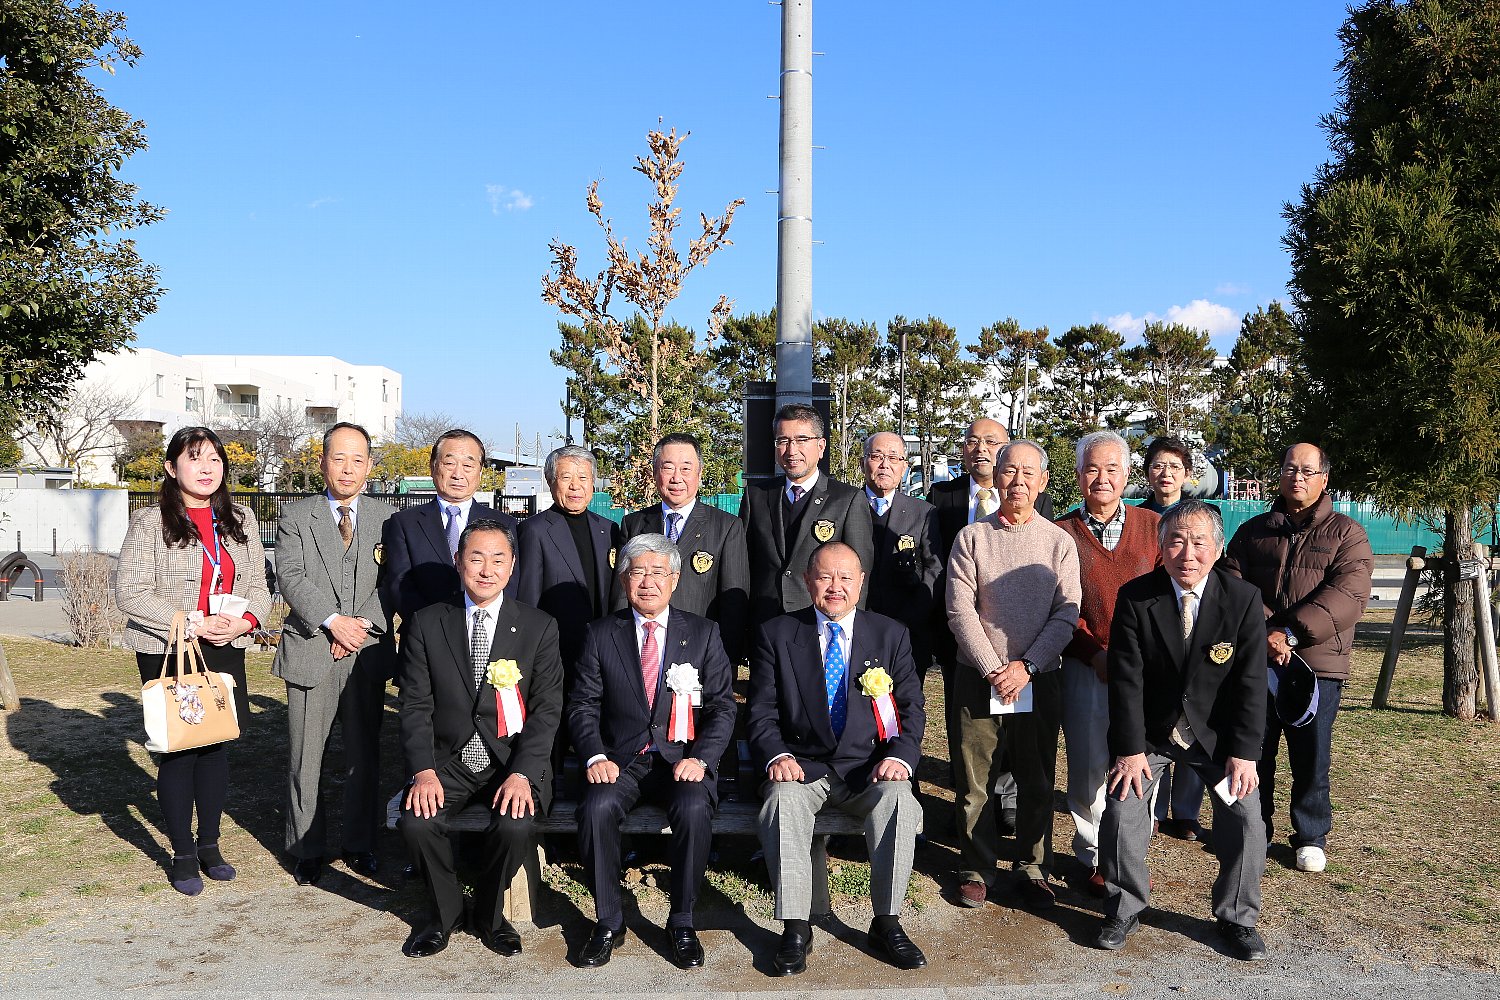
568, 552
715, 581
481, 702
908, 565
836, 719
1187, 685
960, 502
418, 544
789, 516
650, 712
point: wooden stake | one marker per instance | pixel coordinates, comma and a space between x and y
1414, 565
1486, 632
10, 698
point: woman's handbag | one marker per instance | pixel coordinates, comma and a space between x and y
196, 707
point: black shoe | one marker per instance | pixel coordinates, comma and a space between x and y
428, 941
362, 863
791, 954
1112, 934
1006, 822
600, 945
687, 952
1245, 943
308, 871
896, 948
504, 940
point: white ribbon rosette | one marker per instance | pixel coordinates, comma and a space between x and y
504, 676
682, 681
877, 685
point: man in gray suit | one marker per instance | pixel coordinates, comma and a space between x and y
335, 653
715, 581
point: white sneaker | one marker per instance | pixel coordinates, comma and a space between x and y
1311, 859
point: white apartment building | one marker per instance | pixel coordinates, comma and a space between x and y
224, 391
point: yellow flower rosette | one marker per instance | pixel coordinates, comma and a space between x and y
875, 682
503, 674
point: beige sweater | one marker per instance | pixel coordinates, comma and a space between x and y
1013, 593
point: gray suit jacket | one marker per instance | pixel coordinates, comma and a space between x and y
715, 581
154, 581
309, 554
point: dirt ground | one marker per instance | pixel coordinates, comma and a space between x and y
1410, 902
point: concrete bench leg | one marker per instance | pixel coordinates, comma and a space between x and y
821, 906
521, 895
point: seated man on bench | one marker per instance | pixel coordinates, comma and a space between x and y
481, 702
651, 712
836, 718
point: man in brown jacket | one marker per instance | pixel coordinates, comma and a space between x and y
1313, 568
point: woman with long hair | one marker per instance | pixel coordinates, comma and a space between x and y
182, 555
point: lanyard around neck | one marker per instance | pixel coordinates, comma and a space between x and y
215, 557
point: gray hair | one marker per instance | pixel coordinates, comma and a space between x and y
1185, 510
676, 438
639, 545
1019, 442
1097, 439
877, 434
566, 452
799, 411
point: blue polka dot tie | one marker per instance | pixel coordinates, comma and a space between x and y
834, 669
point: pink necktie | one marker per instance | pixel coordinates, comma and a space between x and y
650, 662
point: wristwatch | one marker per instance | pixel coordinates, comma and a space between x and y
700, 762
1030, 667
1291, 640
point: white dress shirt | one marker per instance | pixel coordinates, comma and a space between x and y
640, 643
806, 485
974, 489
686, 512
463, 512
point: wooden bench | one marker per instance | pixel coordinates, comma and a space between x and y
734, 818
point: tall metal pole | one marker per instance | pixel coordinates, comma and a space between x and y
794, 209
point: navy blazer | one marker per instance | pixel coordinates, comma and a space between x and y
715, 580
789, 701
908, 566
607, 710
1154, 677
441, 708
414, 553
553, 580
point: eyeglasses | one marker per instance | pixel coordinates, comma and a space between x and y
641, 573
890, 457
993, 442
1160, 467
801, 440
1292, 472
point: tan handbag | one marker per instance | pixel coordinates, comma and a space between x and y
196, 707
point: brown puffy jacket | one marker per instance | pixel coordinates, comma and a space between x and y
1315, 582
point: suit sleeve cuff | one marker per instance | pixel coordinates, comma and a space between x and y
773, 760
904, 764
594, 760
328, 622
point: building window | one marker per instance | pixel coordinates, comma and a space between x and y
161, 386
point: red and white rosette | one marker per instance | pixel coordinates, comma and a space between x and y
876, 685
505, 677
682, 681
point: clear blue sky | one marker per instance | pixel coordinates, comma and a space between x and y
378, 181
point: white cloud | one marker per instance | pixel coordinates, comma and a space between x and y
1232, 288
1200, 314
320, 202
507, 198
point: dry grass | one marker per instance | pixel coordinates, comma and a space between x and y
1412, 864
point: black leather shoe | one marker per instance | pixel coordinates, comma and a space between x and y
1245, 943
1112, 934
896, 948
362, 863
791, 954
428, 941
687, 952
1005, 822
308, 871
600, 945
504, 940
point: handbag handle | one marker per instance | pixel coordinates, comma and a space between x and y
189, 655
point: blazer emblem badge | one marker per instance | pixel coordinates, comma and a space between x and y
702, 562
823, 530
1220, 653
906, 543
379, 553
612, 558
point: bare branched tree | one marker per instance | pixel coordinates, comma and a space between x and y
80, 426
88, 580
419, 430
650, 282
272, 436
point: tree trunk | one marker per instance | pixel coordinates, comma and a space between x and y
1460, 669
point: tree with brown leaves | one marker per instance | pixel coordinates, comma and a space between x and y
649, 281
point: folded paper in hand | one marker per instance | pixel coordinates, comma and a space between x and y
229, 605
1021, 704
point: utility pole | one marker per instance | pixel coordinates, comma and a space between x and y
794, 209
